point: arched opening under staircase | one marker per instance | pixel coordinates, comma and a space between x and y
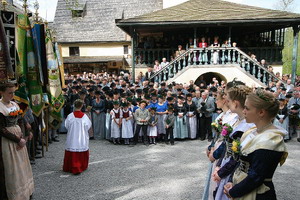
208, 77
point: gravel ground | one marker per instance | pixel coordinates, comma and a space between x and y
154, 172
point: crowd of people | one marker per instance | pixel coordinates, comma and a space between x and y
108, 97
113, 107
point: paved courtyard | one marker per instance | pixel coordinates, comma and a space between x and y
154, 172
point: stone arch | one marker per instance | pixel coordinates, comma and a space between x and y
207, 77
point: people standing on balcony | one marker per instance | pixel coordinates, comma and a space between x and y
157, 66
164, 62
179, 51
234, 44
216, 44
202, 43
190, 44
226, 44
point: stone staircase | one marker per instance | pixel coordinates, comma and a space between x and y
229, 62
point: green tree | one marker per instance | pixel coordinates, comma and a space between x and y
287, 52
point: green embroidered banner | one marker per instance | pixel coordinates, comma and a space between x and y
55, 91
28, 65
21, 94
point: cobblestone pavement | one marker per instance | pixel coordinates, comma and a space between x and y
154, 172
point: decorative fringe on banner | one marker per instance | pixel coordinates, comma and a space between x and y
29, 64
55, 91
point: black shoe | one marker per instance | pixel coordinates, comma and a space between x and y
32, 162
55, 140
38, 157
37, 152
92, 138
49, 141
202, 139
298, 139
38, 149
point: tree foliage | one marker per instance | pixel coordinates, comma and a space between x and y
287, 52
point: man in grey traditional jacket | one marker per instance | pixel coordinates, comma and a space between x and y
207, 106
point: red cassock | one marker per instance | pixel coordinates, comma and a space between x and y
76, 161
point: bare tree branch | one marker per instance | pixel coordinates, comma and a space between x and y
285, 5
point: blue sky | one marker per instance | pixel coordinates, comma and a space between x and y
47, 7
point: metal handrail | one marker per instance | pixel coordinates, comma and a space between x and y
215, 48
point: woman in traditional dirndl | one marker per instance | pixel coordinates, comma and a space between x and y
226, 117
236, 97
180, 130
98, 116
152, 125
161, 111
127, 130
16, 179
191, 117
260, 151
116, 122
282, 118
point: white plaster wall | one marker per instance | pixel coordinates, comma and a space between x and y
101, 51
228, 72
65, 51
277, 68
98, 50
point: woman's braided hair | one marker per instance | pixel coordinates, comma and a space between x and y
239, 93
262, 99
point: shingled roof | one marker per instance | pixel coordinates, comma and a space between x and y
98, 23
12, 8
210, 11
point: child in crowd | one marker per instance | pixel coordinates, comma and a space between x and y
169, 124
116, 122
127, 131
152, 127
142, 117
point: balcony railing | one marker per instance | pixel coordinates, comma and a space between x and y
273, 55
214, 56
